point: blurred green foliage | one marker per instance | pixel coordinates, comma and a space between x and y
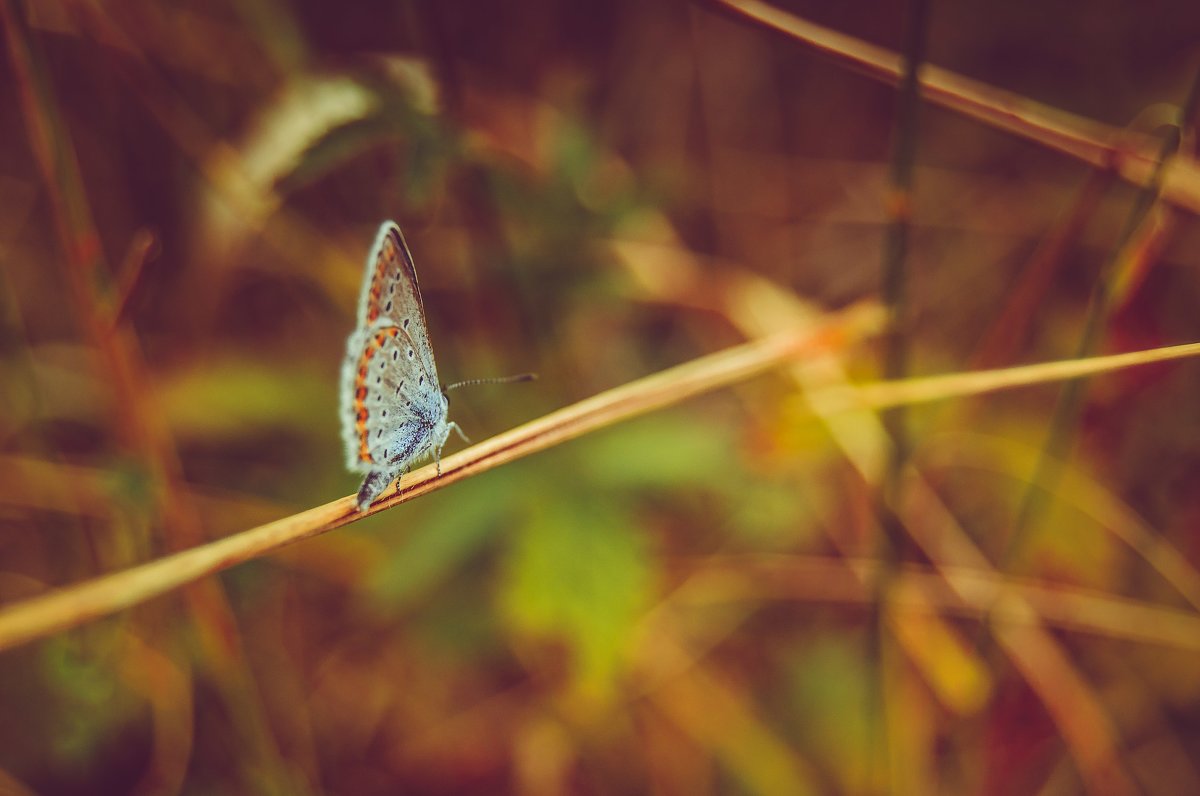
678, 604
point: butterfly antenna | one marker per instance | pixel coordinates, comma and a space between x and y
500, 380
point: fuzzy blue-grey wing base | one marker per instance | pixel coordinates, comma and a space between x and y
409, 443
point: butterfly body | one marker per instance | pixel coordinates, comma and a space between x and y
394, 410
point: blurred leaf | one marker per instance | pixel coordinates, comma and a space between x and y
669, 450
227, 397
578, 572
675, 451
89, 688
575, 151
392, 118
242, 193
452, 526
131, 484
776, 513
829, 693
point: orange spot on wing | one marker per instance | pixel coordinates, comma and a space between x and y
361, 414
387, 255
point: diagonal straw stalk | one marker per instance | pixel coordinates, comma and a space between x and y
74, 605
68, 607
1102, 146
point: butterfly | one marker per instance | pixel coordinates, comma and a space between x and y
394, 410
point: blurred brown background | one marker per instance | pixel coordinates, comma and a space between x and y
668, 606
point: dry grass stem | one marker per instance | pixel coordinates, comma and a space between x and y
957, 385
1087, 140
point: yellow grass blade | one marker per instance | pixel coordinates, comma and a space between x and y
957, 385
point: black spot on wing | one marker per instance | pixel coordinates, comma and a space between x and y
412, 435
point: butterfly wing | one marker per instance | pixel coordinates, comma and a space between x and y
390, 404
392, 296
393, 409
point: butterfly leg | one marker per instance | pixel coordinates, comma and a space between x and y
458, 429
